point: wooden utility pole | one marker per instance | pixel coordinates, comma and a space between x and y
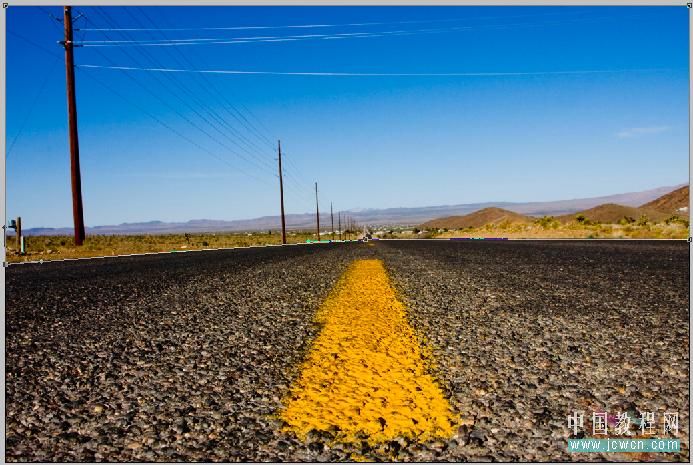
18, 232
332, 219
339, 217
281, 191
77, 212
317, 210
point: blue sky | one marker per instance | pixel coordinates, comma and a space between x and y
570, 102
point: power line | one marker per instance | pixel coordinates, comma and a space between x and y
236, 113
139, 107
358, 74
167, 126
314, 26
208, 86
173, 109
55, 19
215, 93
259, 39
216, 116
46, 77
142, 109
185, 90
248, 28
31, 42
293, 168
250, 38
331, 36
105, 16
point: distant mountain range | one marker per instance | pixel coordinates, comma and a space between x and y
371, 216
657, 210
674, 202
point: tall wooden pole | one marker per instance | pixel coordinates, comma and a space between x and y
18, 232
339, 217
317, 210
332, 219
281, 191
77, 211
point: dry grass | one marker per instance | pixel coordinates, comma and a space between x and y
574, 230
59, 247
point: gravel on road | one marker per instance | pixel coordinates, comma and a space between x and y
185, 357
525, 333
159, 358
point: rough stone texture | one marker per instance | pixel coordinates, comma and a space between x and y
525, 333
188, 356
182, 357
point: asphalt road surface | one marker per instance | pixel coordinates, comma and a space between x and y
190, 356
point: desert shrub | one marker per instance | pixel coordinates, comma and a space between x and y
547, 222
626, 220
580, 218
606, 229
675, 219
643, 220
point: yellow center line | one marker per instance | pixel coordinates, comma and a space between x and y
365, 377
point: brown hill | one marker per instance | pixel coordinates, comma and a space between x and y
671, 202
477, 219
611, 213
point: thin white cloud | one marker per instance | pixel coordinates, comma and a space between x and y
635, 132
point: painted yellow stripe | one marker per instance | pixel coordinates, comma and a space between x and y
366, 376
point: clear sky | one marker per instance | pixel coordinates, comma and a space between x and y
547, 104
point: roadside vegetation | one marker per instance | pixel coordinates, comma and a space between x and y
60, 247
580, 228
548, 227
666, 217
